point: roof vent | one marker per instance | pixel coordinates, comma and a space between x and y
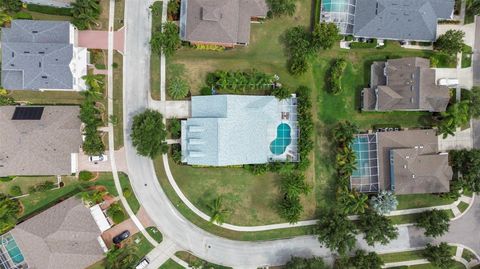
413, 176
44, 76
26, 52
41, 52
34, 32
39, 64
405, 166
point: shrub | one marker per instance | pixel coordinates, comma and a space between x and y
208, 47
115, 212
173, 9
281, 7
281, 93
176, 152
85, 175
175, 128
240, 81
298, 45
15, 190
22, 16
349, 38
334, 78
85, 13
6, 100
100, 66
127, 192
63, 11
363, 45
384, 202
178, 88
10, 5
205, 91
6, 179
114, 65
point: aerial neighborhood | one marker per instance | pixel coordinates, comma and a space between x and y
239, 134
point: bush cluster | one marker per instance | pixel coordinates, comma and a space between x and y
63, 11
240, 81
90, 115
334, 77
364, 45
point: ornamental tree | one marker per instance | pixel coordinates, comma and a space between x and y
149, 134
325, 35
364, 260
435, 222
336, 231
384, 203
167, 40
451, 42
440, 255
376, 228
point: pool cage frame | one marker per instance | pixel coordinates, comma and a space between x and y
343, 19
288, 111
367, 182
6, 262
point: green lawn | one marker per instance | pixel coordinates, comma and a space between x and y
155, 59
466, 56
421, 200
196, 262
119, 14
171, 264
468, 255
408, 255
209, 227
462, 206
47, 17
47, 97
155, 233
24, 183
118, 99
132, 199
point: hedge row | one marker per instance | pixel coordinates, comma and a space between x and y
334, 77
63, 11
363, 45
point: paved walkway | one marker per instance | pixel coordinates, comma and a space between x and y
172, 109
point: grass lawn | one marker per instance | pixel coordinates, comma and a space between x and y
214, 229
24, 183
155, 234
421, 200
466, 56
47, 17
118, 99
155, 59
171, 264
193, 260
131, 200
102, 21
462, 206
119, 14
468, 255
457, 265
47, 97
408, 255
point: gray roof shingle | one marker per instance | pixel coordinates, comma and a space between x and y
223, 22
63, 236
39, 147
400, 20
37, 55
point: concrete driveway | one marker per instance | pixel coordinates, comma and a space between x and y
476, 133
464, 75
85, 164
99, 39
463, 139
173, 109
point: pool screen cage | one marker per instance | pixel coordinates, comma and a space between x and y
10, 255
365, 177
340, 12
288, 113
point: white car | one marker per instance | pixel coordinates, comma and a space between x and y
448, 82
99, 158
143, 263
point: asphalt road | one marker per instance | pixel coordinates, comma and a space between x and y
172, 224
476, 54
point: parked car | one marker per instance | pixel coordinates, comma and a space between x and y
122, 236
448, 82
143, 263
99, 158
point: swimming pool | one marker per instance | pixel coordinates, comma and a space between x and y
360, 147
13, 250
283, 139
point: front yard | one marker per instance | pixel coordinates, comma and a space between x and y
253, 199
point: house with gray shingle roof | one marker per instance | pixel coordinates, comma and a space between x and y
225, 23
39, 140
388, 19
237, 129
42, 55
404, 84
405, 162
63, 236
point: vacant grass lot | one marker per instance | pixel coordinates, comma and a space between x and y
266, 53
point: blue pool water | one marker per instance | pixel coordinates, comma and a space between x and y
360, 147
335, 5
13, 251
283, 139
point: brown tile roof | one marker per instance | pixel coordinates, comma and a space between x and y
64, 236
223, 22
39, 147
407, 84
417, 165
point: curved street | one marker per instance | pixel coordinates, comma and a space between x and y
178, 231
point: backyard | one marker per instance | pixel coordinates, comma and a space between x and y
252, 199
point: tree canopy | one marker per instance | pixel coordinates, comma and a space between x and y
9, 209
325, 35
475, 102
149, 134
282, 7
456, 115
306, 263
363, 260
376, 228
299, 49
440, 255
85, 13
435, 222
166, 40
451, 42
219, 213
11, 5
384, 202
336, 231
467, 162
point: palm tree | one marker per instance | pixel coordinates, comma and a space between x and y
9, 209
344, 132
85, 13
5, 18
352, 202
218, 212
